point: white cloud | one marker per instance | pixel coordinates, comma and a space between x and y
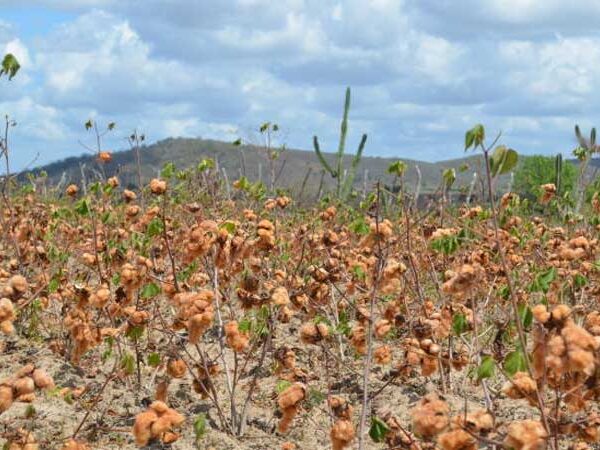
421, 72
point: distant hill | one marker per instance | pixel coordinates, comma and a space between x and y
292, 166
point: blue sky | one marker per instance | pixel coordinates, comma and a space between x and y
422, 72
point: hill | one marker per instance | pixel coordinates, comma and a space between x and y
292, 167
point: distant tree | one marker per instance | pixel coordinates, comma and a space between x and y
533, 171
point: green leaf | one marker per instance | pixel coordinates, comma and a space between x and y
503, 160
154, 360
526, 315
128, 363
53, 285
168, 170
135, 333
10, 66
486, 368
460, 324
206, 164
360, 226
397, 168
542, 281
378, 430
89, 124
150, 290
449, 177
515, 362
82, 207
155, 227
315, 397
237, 142
359, 272
228, 226
475, 136
579, 281
245, 326
282, 385
446, 245
200, 426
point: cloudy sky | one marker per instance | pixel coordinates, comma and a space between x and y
421, 71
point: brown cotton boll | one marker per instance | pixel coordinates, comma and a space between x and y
142, 427
129, 196
26, 398
280, 296
382, 327
340, 407
383, 355
7, 309
157, 186
430, 416
174, 417
159, 407
521, 386
7, 327
312, 334
291, 396
42, 380
100, 297
196, 327
429, 365
24, 371
132, 211
169, 437
176, 368
457, 440
560, 313
19, 284
161, 391
72, 444
526, 435
287, 418
23, 386
342, 434
540, 313
581, 361
72, 190
160, 426
113, 182
6, 397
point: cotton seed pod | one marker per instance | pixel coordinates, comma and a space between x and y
6, 397
42, 380
18, 283
430, 415
342, 434
104, 157
24, 386
158, 187
288, 402
176, 368
312, 334
72, 190
280, 296
141, 427
235, 339
72, 444
526, 435
129, 196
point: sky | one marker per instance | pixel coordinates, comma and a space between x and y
421, 72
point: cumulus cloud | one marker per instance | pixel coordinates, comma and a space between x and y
421, 72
